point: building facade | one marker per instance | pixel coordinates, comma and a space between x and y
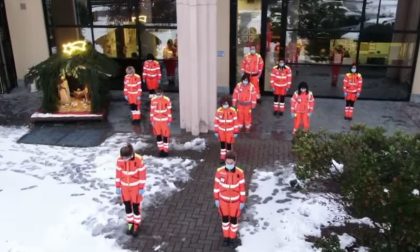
208, 39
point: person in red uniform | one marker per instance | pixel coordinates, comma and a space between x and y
352, 87
226, 126
132, 92
253, 64
130, 185
244, 98
161, 118
229, 195
151, 74
281, 80
302, 106
337, 57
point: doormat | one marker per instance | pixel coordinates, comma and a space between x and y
66, 135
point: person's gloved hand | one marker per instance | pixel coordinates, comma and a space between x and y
358, 94
217, 203
141, 192
309, 114
293, 115
118, 191
216, 135
241, 206
235, 135
345, 94
169, 124
126, 97
138, 98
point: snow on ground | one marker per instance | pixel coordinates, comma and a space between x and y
278, 219
197, 144
63, 199
346, 240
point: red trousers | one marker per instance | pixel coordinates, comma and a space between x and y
230, 213
301, 118
245, 116
335, 71
131, 194
255, 80
227, 137
152, 83
161, 129
135, 110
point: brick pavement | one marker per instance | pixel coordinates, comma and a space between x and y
188, 220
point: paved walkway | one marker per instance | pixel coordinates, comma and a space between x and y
188, 221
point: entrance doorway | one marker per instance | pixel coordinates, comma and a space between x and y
8, 78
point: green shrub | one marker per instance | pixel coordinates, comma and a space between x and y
379, 176
328, 244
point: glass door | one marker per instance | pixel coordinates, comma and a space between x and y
7, 65
248, 25
275, 37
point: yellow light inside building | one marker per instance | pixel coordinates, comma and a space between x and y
76, 46
142, 18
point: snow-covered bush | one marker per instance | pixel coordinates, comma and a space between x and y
380, 178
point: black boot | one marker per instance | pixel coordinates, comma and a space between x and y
136, 228
129, 230
280, 113
161, 153
226, 242
274, 113
165, 154
234, 243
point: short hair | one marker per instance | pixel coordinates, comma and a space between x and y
127, 150
150, 56
130, 70
225, 99
245, 76
230, 155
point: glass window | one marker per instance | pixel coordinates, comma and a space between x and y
402, 15
396, 49
378, 82
122, 13
65, 35
68, 12
310, 14
154, 12
273, 39
249, 29
159, 43
321, 47
116, 42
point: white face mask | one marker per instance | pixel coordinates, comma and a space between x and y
245, 82
303, 90
281, 64
225, 106
252, 51
353, 70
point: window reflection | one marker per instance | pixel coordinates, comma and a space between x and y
68, 12
65, 35
249, 29
116, 42
310, 14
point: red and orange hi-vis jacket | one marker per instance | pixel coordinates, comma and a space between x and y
229, 185
160, 109
131, 174
226, 120
132, 87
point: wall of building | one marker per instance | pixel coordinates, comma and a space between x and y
223, 43
415, 93
27, 32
